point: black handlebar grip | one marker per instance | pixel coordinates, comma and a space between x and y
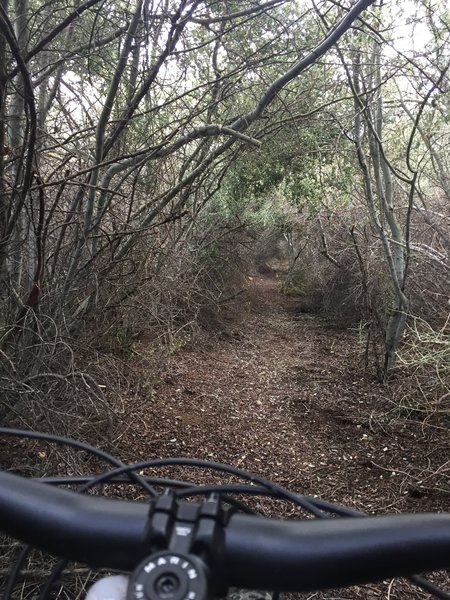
99, 532
259, 553
314, 554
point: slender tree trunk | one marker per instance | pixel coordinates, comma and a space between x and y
4, 150
19, 257
380, 198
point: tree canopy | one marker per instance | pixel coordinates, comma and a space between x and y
126, 125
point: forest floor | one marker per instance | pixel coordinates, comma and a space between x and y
286, 396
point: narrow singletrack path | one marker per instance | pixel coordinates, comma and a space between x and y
287, 397
283, 394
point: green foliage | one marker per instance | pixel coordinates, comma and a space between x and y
427, 347
178, 342
288, 176
207, 253
292, 288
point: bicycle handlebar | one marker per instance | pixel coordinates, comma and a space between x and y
289, 555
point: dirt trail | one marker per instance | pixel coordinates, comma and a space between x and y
287, 397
